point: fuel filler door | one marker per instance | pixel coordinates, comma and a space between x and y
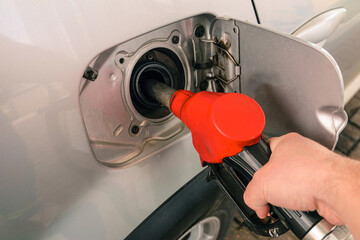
298, 85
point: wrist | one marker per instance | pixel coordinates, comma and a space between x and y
341, 185
324, 179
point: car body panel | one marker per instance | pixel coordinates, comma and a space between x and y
342, 44
298, 85
51, 185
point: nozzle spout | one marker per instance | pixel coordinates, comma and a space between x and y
158, 91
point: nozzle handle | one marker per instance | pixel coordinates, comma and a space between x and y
246, 163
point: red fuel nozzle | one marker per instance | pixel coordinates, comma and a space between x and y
221, 123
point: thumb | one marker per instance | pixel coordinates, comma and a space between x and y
273, 142
254, 198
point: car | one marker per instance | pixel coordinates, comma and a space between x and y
83, 157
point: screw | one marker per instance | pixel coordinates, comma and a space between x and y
135, 129
175, 39
150, 56
199, 31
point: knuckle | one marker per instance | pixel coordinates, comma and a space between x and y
291, 135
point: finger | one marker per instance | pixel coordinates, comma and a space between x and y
273, 142
263, 212
261, 208
329, 214
255, 199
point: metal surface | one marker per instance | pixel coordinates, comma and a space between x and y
319, 231
51, 185
340, 233
159, 91
299, 86
320, 28
324, 230
206, 229
107, 105
289, 16
220, 49
227, 52
110, 128
343, 44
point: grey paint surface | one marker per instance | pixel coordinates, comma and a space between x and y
343, 44
50, 183
299, 86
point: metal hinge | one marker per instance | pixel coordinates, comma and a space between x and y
218, 69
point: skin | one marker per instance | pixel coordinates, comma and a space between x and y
303, 175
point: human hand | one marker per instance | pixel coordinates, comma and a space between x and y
296, 177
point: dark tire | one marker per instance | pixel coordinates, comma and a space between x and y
198, 200
213, 224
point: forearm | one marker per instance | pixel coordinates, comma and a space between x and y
342, 191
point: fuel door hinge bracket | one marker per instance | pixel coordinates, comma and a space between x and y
217, 57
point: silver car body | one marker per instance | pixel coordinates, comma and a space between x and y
51, 185
341, 38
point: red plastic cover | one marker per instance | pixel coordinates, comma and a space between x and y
221, 123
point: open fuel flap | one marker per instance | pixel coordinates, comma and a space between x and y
298, 85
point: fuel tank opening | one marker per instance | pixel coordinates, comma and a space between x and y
160, 64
